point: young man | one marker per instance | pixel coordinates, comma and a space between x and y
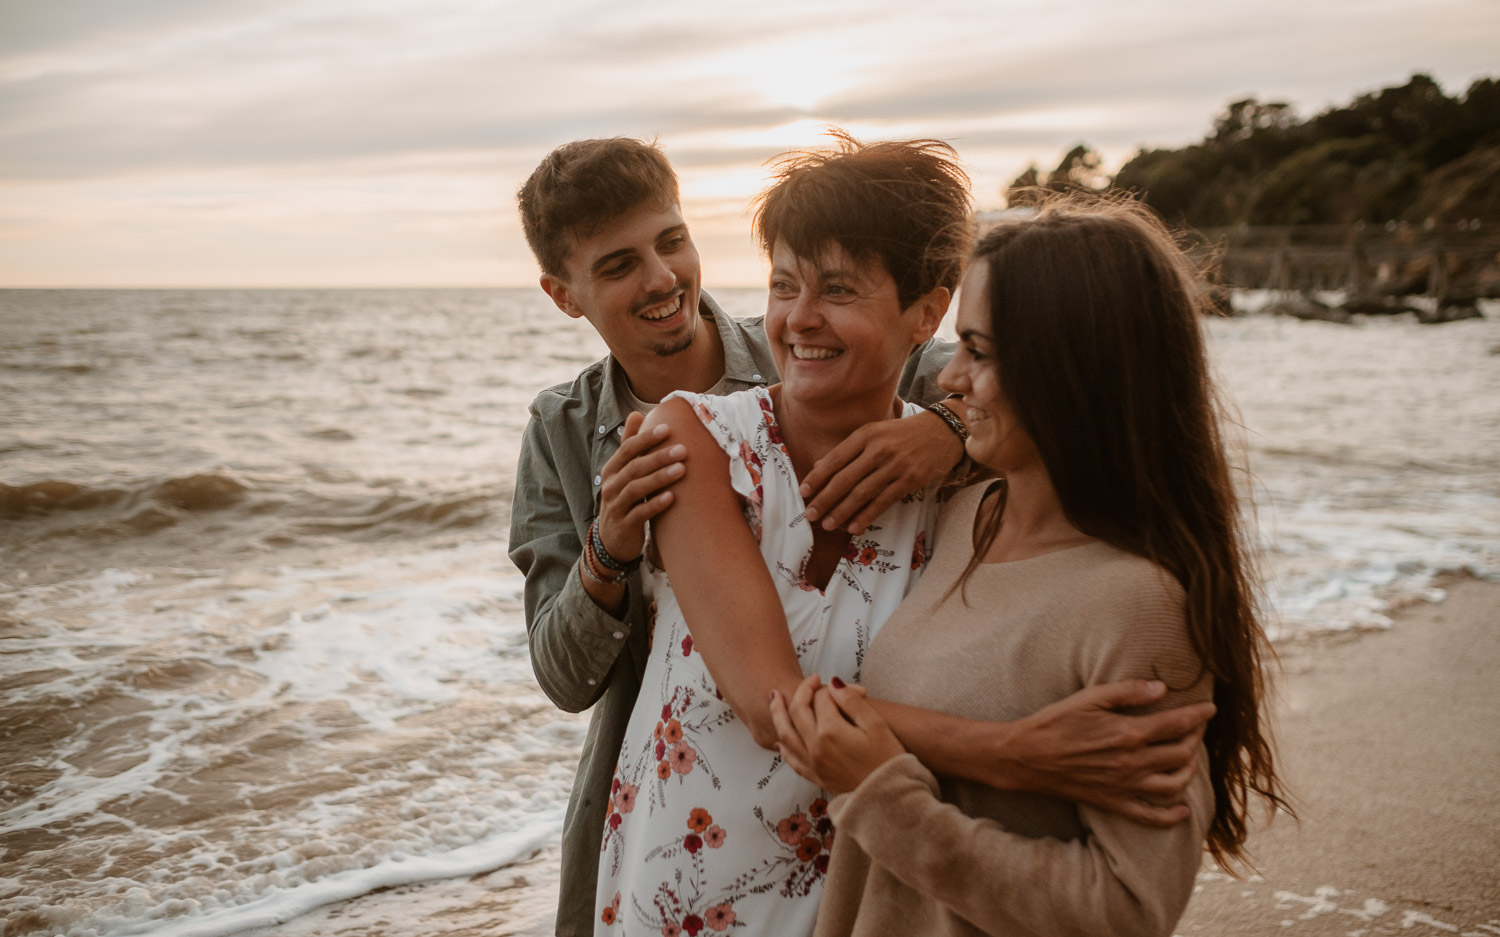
603, 219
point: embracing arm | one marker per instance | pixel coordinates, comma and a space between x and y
1077, 749
720, 579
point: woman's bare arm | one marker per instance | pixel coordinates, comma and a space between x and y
720, 578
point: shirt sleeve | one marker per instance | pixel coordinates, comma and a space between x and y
574, 643
919, 378
1121, 878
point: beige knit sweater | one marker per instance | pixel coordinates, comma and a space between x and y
918, 855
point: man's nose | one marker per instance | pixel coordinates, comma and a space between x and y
660, 277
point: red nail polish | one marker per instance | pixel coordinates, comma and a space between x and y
836, 683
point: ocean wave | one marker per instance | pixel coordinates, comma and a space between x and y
276, 511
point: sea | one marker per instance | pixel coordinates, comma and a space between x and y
261, 648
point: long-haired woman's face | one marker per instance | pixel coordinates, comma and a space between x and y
996, 438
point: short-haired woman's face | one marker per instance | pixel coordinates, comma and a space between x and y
836, 327
996, 438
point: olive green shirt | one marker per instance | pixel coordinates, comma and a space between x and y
582, 655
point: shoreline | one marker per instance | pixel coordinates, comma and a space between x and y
1389, 741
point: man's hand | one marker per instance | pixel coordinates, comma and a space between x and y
876, 466
1079, 749
634, 487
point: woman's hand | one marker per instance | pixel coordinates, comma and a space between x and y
832, 735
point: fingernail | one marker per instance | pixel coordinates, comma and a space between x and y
675, 469
772, 697
1155, 686
856, 530
659, 430
812, 513
836, 683
677, 451
830, 524
805, 490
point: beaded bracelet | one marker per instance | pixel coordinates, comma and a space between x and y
602, 555
594, 571
952, 419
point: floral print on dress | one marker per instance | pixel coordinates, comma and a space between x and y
707, 832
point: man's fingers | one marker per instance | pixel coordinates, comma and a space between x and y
831, 478
644, 486
633, 421
861, 517
634, 444
1122, 694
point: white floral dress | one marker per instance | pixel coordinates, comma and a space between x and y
706, 830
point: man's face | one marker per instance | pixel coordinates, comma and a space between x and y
636, 280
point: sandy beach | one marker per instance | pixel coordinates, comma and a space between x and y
1390, 741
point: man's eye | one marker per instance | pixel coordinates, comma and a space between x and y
615, 270
673, 243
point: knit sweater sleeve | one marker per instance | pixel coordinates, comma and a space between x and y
1121, 878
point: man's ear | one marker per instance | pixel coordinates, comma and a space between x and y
928, 310
562, 297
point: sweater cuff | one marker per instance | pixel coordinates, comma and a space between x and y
875, 793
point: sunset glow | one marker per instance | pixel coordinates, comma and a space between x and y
348, 144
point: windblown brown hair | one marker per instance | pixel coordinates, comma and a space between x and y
904, 202
582, 185
1095, 320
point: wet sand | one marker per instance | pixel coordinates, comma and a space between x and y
1390, 741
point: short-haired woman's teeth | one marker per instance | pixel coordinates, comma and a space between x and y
814, 354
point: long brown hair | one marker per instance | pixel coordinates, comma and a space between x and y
1095, 319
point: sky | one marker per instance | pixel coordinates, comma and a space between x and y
249, 143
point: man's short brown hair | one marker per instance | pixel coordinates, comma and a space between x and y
582, 185
906, 203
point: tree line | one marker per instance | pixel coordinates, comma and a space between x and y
1407, 153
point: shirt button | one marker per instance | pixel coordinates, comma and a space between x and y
619, 635
598, 479
619, 431
601, 429
755, 377
593, 682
